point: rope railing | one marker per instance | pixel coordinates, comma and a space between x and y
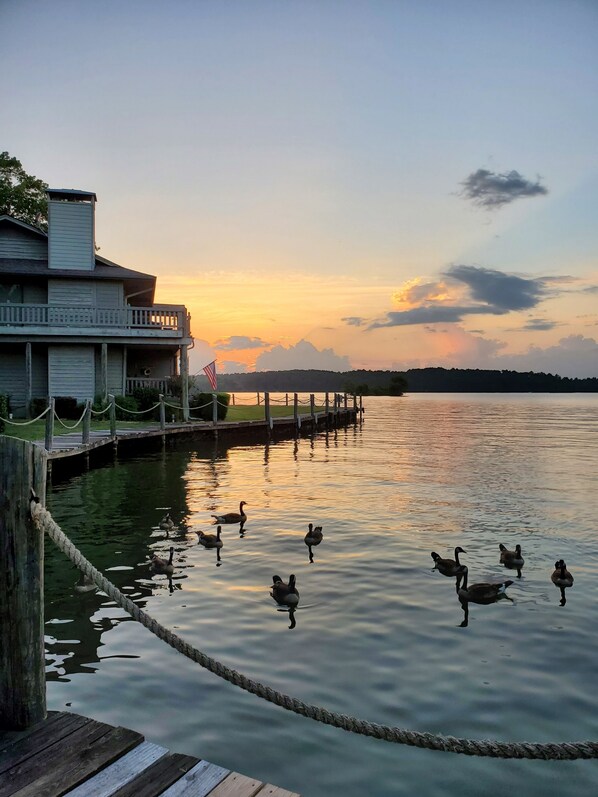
548, 751
25, 423
136, 412
69, 426
101, 412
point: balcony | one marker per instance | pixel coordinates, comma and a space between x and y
159, 321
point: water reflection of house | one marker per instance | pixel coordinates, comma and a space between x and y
73, 323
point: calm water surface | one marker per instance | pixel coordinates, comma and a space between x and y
377, 633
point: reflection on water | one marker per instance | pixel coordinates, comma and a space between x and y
376, 634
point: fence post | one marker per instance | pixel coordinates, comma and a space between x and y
312, 407
286, 398
233, 399
215, 409
258, 399
296, 412
327, 405
50, 425
112, 416
162, 412
345, 402
267, 415
86, 423
22, 664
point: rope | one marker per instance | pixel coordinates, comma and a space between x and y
174, 406
66, 425
563, 751
137, 412
25, 423
101, 412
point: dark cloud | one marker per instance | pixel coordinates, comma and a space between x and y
490, 190
238, 342
354, 320
434, 314
500, 290
540, 324
591, 289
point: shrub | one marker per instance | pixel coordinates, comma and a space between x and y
175, 385
205, 413
37, 406
127, 403
3, 410
67, 408
146, 397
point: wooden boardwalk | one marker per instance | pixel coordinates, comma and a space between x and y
68, 755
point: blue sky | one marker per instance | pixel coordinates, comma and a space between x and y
282, 166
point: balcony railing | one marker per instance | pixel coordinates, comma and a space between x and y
172, 319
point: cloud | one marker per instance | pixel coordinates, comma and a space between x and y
490, 190
540, 324
239, 342
572, 356
434, 314
231, 367
303, 355
416, 290
353, 320
500, 290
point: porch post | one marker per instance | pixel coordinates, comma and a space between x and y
28, 379
185, 383
104, 371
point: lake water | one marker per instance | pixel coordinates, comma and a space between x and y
377, 633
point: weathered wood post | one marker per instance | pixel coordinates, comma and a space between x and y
50, 425
258, 399
112, 416
22, 663
296, 412
327, 408
267, 414
215, 409
233, 399
86, 423
162, 412
28, 380
345, 402
312, 408
286, 398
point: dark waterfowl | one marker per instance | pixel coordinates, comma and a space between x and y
561, 578
511, 558
314, 535
285, 593
233, 517
160, 565
483, 593
167, 523
210, 540
448, 567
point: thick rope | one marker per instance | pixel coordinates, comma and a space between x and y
68, 426
136, 412
562, 751
101, 412
25, 423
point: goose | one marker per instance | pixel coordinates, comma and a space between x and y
85, 584
167, 523
448, 567
233, 517
285, 593
561, 577
160, 565
484, 593
314, 535
511, 558
210, 540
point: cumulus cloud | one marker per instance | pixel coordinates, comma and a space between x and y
417, 290
500, 290
540, 324
239, 342
231, 367
572, 356
303, 355
491, 190
353, 320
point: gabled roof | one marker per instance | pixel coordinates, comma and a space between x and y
4, 217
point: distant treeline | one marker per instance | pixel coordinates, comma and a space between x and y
418, 380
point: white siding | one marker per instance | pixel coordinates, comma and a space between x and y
115, 370
39, 369
12, 375
71, 235
74, 293
20, 244
109, 294
71, 371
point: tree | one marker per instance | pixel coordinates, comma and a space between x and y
22, 195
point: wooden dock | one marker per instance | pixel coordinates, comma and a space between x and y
68, 755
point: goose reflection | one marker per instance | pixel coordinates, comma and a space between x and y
513, 560
85, 584
561, 578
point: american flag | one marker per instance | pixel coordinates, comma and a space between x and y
210, 372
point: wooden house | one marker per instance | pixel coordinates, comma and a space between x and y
73, 323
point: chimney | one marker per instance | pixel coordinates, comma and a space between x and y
71, 229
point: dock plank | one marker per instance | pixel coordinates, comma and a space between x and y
40, 738
236, 785
62, 766
109, 780
158, 777
198, 782
276, 791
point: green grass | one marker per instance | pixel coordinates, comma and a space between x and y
37, 429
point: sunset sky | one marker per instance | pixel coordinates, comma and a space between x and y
326, 183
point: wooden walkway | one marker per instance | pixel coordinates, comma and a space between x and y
68, 755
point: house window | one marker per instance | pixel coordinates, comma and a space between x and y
11, 293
